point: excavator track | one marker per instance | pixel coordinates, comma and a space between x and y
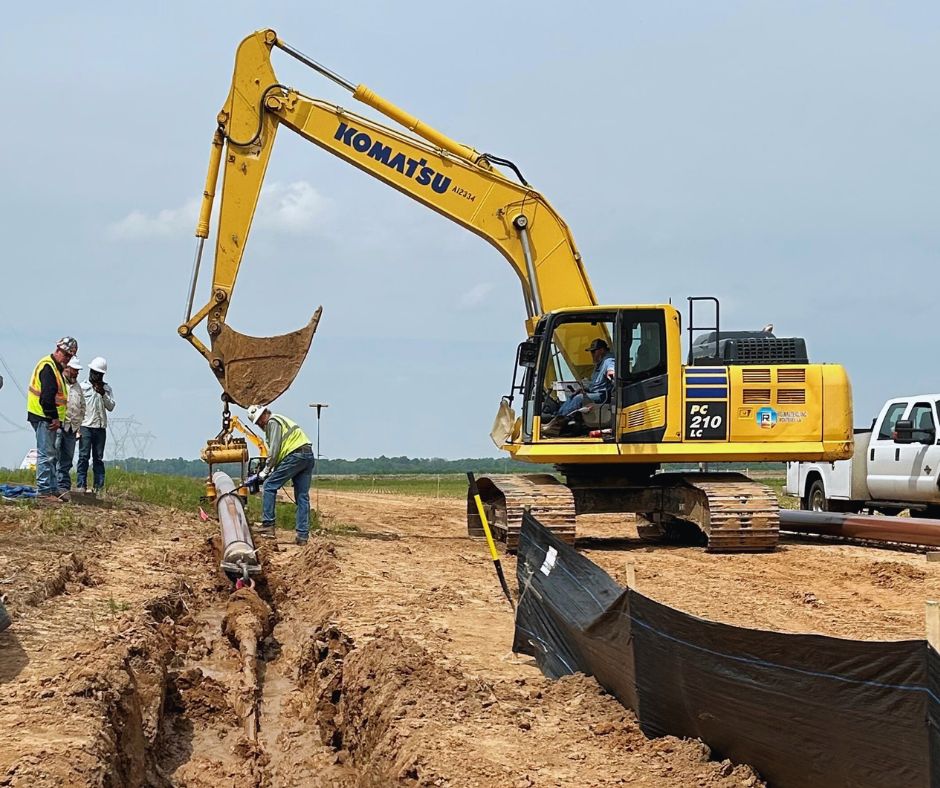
732, 512
735, 513
505, 498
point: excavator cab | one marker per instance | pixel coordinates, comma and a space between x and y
600, 374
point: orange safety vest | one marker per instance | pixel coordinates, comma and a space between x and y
61, 395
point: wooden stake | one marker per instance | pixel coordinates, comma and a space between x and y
631, 575
933, 625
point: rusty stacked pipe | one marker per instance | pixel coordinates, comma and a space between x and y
904, 530
239, 556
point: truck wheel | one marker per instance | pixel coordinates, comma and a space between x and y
816, 497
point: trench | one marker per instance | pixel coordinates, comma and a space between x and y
234, 703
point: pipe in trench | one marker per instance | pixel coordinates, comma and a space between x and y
904, 530
239, 556
247, 617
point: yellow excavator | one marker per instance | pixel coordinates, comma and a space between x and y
605, 395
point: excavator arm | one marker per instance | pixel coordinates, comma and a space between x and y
446, 176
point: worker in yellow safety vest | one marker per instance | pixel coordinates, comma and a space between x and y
290, 459
45, 409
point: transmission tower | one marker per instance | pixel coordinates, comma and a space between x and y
126, 432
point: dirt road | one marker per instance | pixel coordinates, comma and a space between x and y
384, 651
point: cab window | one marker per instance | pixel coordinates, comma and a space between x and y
886, 433
644, 337
922, 418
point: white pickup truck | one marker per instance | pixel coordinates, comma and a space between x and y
894, 467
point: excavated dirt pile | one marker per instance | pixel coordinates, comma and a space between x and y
376, 656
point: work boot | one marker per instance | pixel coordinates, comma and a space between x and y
553, 428
300, 541
64, 496
267, 531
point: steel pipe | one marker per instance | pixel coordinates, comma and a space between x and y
239, 557
903, 530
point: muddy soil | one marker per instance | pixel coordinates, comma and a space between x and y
376, 655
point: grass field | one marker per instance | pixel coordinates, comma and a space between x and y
445, 485
455, 486
182, 492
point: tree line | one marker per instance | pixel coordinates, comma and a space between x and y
365, 466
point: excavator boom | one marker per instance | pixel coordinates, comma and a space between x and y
447, 176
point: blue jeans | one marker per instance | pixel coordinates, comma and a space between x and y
91, 446
65, 443
577, 401
46, 483
296, 467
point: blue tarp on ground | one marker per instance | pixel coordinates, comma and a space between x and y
17, 491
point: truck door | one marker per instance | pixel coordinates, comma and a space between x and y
925, 455
886, 479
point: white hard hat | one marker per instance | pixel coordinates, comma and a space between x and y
255, 411
74, 363
98, 364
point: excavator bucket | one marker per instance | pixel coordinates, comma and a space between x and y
260, 369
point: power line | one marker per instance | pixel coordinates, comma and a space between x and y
12, 376
15, 425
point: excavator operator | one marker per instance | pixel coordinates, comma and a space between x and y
597, 390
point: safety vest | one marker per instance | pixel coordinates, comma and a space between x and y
61, 394
292, 437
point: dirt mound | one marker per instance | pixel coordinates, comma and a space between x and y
304, 571
889, 574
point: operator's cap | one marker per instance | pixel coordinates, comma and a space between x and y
74, 364
597, 344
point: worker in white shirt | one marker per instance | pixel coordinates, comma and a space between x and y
71, 427
99, 401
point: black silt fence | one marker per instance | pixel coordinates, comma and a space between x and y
804, 710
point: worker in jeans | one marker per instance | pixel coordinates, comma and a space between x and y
99, 401
290, 459
45, 410
71, 429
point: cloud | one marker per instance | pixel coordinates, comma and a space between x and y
167, 223
295, 208
475, 296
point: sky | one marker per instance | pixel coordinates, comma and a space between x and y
780, 156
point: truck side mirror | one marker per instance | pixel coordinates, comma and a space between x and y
903, 431
528, 353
